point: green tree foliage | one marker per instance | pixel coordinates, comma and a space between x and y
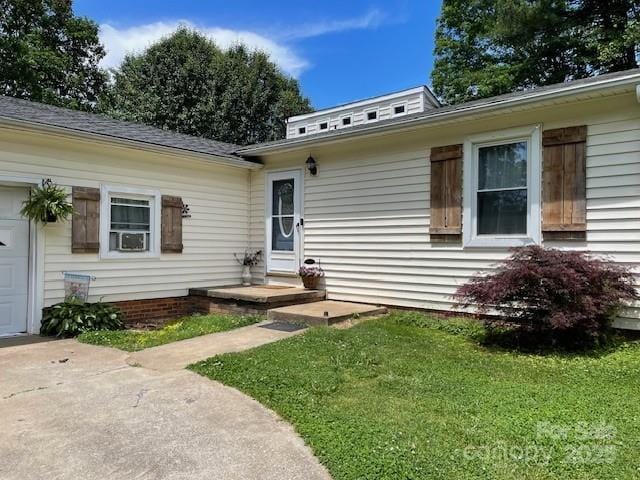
187, 84
47, 54
489, 47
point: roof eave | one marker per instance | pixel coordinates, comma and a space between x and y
437, 116
229, 160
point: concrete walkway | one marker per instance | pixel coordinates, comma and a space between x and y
177, 355
74, 411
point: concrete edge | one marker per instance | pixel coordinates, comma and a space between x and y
275, 298
280, 316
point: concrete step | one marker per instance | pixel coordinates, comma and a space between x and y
326, 312
255, 299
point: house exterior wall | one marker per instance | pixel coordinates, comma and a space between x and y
218, 197
367, 211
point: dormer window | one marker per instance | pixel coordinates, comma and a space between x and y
399, 109
367, 112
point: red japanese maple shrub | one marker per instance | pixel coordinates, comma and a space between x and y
556, 297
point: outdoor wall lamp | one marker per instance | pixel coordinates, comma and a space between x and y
312, 166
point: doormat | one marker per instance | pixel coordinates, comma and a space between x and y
283, 326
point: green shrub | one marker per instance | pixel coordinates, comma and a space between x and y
68, 319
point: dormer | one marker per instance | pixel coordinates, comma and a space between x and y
361, 112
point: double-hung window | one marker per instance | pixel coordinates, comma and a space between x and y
130, 223
502, 188
130, 228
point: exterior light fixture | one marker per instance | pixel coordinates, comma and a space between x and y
312, 166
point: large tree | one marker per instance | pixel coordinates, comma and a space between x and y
489, 47
187, 84
48, 54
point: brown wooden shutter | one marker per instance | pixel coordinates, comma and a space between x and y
446, 191
564, 182
85, 223
171, 238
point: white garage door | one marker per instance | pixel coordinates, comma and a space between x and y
14, 263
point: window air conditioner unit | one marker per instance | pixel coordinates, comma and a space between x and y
132, 241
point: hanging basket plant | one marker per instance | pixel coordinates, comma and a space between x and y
47, 203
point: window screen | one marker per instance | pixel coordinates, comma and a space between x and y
502, 189
130, 224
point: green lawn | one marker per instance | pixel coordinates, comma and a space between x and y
188, 327
411, 397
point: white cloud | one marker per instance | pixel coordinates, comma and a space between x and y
371, 19
119, 42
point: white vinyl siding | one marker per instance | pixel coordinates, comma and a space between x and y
414, 101
218, 197
367, 214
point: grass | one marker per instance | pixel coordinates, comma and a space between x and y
188, 327
408, 396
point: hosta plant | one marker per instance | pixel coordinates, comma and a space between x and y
47, 203
550, 296
68, 319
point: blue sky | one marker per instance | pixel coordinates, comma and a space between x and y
339, 50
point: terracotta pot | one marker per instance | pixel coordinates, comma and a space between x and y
310, 282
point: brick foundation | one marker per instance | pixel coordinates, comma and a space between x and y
155, 312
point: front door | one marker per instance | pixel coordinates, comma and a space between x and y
283, 222
14, 263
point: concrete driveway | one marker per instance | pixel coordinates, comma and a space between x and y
74, 411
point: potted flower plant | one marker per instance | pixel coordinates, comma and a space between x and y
47, 203
310, 273
248, 260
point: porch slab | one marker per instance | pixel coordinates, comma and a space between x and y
326, 312
255, 299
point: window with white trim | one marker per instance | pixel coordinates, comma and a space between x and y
371, 115
130, 223
399, 109
130, 228
502, 188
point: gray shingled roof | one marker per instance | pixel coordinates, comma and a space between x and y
257, 149
47, 115
38, 113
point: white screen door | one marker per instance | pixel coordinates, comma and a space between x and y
283, 224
